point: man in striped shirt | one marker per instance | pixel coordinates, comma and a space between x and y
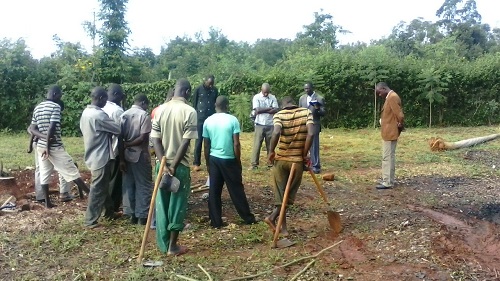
52, 155
293, 134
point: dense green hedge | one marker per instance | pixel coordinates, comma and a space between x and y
344, 77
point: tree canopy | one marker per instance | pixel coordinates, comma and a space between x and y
450, 67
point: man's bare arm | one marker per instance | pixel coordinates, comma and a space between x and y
309, 139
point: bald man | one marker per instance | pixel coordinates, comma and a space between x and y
174, 126
391, 126
98, 129
221, 140
264, 105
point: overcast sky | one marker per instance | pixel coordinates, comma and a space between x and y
154, 22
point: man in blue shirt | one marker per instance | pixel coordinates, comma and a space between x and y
221, 139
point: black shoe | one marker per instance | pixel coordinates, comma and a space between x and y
254, 221
113, 216
143, 221
224, 224
381, 186
134, 220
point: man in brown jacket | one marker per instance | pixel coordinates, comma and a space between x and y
391, 123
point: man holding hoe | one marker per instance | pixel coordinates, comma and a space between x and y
293, 134
173, 128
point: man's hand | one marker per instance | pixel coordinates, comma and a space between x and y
270, 158
307, 160
46, 153
123, 166
401, 127
170, 170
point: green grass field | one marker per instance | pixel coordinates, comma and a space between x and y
341, 151
54, 245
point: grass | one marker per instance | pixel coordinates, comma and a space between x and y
67, 251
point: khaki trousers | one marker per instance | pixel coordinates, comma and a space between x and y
388, 162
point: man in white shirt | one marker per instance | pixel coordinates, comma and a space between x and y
114, 110
264, 105
316, 104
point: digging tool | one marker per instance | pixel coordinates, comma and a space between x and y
6, 202
333, 217
151, 208
200, 189
285, 242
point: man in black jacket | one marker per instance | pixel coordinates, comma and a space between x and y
204, 103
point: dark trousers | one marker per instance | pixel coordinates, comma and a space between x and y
137, 181
99, 196
115, 185
315, 162
198, 143
227, 171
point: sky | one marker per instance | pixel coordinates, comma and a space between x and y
155, 22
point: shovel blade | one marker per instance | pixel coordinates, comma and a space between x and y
284, 243
334, 221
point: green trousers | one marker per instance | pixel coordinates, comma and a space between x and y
171, 208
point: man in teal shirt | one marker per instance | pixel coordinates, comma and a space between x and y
221, 139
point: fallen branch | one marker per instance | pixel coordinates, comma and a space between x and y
303, 270
185, 277
206, 273
438, 144
286, 264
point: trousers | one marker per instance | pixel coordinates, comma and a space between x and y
227, 171
99, 196
388, 162
171, 208
261, 133
138, 185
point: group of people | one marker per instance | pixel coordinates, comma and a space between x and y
116, 153
117, 145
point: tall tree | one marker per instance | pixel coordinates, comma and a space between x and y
322, 32
433, 83
114, 40
408, 39
461, 20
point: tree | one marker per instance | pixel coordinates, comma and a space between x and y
322, 32
114, 40
270, 51
408, 39
462, 21
21, 85
433, 83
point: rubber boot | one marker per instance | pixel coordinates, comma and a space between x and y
45, 189
82, 187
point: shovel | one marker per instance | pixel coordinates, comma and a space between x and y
151, 208
333, 217
285, 242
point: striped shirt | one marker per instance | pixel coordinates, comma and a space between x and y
45, 113
293, 122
